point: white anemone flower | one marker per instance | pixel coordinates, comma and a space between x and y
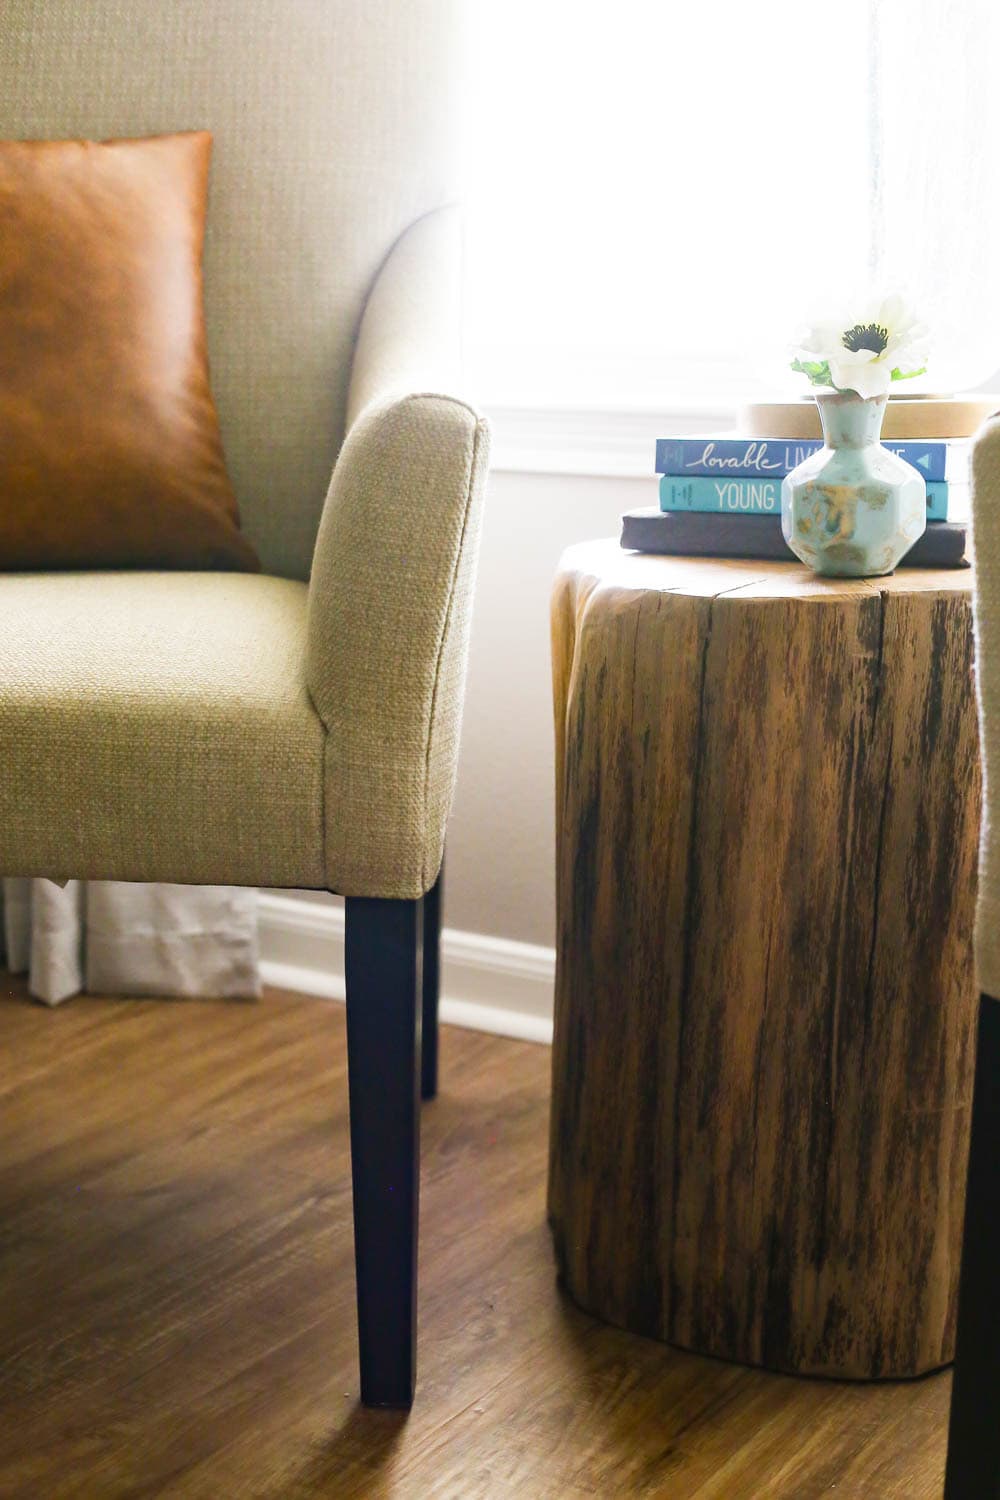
881, 341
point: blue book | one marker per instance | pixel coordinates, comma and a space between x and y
756, 497
773, 458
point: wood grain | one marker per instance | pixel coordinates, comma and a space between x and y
177, 1294
768, 815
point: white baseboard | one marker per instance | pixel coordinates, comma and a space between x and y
487, 983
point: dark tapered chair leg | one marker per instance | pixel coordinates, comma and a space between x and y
973, 1469
383, 963
432, 986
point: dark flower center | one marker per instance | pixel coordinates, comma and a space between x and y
866, 336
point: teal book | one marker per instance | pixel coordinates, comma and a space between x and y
757, 497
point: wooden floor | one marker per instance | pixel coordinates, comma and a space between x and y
176, 1292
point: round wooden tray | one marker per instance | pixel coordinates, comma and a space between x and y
905, 417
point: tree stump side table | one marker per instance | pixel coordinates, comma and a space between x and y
768, 797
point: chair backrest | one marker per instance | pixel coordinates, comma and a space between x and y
334, 129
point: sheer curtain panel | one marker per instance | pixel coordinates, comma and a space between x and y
661, 193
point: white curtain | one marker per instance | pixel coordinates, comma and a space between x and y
110, 938
936, 198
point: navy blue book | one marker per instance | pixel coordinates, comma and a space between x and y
773, 458
694, 534
756, 497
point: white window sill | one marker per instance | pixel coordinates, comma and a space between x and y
599, 442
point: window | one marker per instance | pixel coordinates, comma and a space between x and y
659, 192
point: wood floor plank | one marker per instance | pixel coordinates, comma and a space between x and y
177, 1293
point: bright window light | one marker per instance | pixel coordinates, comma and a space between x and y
659, 192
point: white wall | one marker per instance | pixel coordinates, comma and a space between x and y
500, 842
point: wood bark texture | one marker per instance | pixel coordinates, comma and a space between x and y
768, 795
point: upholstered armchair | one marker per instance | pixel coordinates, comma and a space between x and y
973, 1471
296, 728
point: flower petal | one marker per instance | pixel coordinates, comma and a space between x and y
868, 378
854, 356
820, 338
908, 349
893, 313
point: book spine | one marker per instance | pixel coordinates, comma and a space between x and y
773, 458
760, 497
757, 497
937, 500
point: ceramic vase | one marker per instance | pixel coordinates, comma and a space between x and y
853, 509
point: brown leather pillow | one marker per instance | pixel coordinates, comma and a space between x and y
110, 453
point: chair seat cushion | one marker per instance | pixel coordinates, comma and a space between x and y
157, 726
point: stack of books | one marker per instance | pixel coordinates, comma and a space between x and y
722, 497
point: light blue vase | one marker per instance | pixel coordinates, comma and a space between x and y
853, 509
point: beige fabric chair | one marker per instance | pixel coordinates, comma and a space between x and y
300, 728
973, 1469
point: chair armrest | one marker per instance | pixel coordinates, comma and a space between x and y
390, 597
986, 545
